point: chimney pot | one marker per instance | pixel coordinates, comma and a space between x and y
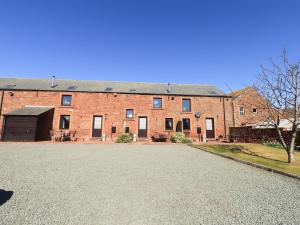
53, 82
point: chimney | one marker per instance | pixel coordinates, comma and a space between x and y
53, 82
169, 87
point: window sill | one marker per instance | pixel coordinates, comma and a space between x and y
66, 106
130, 119
186, 113
169, 130
157, 108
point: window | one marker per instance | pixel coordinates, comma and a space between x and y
66, 100
186, 125
242, 111
129, 113
169, 124
254, 111
64, 122
157, 103
186, 105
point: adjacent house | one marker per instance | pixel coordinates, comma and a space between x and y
248, 107
31, 109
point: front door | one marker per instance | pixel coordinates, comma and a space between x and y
97, 126
142, 133
210, 128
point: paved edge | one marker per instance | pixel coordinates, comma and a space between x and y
250, 163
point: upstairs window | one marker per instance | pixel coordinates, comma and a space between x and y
242, 111
254, 111
157, 103
186, 124
66, 100
186, 105
64, 122
129, 113
169, 124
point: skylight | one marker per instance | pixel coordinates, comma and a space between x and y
72, 87
108, 89
9, 85
212, 92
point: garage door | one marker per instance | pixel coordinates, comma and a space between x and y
20, 128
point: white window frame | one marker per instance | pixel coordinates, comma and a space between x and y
242, 111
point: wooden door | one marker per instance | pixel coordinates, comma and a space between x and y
97, 126
143, 126
210, 128
20, 128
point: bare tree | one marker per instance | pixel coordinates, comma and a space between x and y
279, 85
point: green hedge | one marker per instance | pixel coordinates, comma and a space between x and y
125, 138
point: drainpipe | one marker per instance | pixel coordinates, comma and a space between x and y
224, 112
233, 113
1, 103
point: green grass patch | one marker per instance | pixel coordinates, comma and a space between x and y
275, 158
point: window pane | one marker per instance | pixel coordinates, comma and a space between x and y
143, 123
169, 124
64, 122
129, 113
186, 105
209, 124
157, 103
186, 124
66, 99
242, 111
97, 122
254, 111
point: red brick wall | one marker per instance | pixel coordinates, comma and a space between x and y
112, 108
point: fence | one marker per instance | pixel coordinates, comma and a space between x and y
253, 135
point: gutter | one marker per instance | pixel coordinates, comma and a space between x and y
118, 92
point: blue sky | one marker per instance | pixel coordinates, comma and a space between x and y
205, 42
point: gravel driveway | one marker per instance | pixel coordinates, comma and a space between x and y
139, 184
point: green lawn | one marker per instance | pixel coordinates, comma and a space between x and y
257, 153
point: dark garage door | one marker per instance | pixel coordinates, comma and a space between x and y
20, 128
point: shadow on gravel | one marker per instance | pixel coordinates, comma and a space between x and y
5, 196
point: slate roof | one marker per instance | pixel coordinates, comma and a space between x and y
108, 86
239, 92
29, 111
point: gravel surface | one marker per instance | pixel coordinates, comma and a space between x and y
139, 184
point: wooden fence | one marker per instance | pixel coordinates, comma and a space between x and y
253, 135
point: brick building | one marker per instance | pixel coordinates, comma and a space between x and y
248, 107
31, 108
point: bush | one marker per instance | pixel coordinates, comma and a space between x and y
180, 138
186, 141
124, 138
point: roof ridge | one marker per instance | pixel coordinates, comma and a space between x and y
113, 81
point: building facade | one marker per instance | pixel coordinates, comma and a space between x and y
248, 107
97, 109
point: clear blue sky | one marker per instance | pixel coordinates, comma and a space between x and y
209, 42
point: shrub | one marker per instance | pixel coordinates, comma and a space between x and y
180, 138
124, 138
186, 141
